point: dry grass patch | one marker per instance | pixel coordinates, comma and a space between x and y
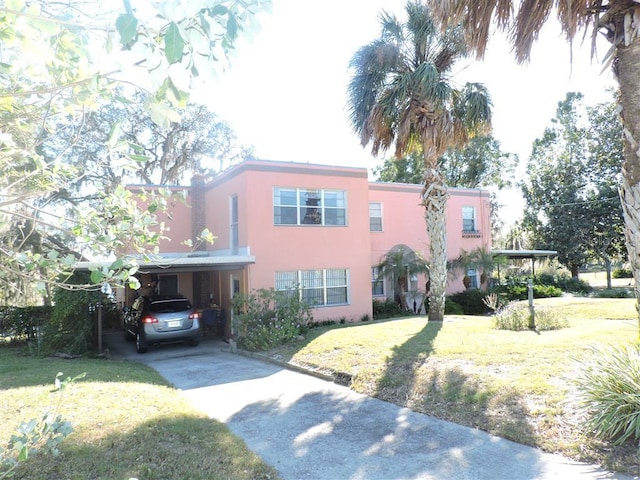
512, 384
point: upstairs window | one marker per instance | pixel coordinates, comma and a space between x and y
469, 223
375, 217
233, 227
297, 206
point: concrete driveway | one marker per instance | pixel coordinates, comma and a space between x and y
309, 428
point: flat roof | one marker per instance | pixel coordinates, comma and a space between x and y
177, 263
524, 253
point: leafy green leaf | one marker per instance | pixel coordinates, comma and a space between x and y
173, 44
218, 10
232, 27
113, 134
117, 265
127, 26
96, 277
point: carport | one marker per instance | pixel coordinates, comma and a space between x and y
206, 278
524, 254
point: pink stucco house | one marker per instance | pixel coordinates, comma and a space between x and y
322, 228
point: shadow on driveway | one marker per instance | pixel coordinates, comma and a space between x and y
313, 429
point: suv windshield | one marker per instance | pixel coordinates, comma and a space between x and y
170, 306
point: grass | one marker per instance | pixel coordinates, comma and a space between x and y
516, 385
128, 423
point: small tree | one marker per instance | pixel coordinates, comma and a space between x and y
72, 328
479, 259
397, 266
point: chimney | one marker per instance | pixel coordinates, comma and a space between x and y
198, 211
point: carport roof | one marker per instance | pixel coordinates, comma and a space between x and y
524, 253
182, 262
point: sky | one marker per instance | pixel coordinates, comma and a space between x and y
285, 91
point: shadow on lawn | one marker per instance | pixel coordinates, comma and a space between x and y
183, 446
451, 389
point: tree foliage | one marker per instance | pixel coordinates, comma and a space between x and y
199, 144
398, 265
59, 63
618, 21
400, 95
572, 204
479, 163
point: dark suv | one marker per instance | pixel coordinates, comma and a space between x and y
153, 320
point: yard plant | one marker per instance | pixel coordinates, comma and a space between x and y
517, 385
119, 429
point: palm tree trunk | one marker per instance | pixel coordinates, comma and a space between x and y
434, 200
628, 71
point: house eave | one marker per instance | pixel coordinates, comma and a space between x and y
180, 263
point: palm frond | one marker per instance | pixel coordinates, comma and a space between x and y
391, 28
372, 64
531, 16
522, 20
400, 94
472, 105
421, 29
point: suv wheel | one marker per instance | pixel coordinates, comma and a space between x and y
141, 347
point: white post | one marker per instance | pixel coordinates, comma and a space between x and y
532, 313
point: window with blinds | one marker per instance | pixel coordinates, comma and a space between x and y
316, 287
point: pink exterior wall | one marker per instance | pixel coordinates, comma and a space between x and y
279, 248
403, 222
177, 218
285, 248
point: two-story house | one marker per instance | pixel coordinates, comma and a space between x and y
320, 229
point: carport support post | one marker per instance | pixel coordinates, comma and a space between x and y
532, 312
100, 328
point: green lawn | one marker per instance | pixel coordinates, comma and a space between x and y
513, 384
127, 423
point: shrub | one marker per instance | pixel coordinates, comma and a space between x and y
614, 293
23, 322
515, 316
471, 301
622, 273
452, 308
564, 281
386, 308
608, 393
546, 291
73, 327
574, 285
269, 318
520, 291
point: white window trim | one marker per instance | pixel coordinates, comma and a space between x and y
325, 287
380, 217
322, 207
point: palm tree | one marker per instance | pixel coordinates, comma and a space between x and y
618, 20
398, 265
401, 95
479, 259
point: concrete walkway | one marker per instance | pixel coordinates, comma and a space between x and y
309, 428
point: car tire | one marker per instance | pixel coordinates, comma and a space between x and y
194, 342
141, 346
